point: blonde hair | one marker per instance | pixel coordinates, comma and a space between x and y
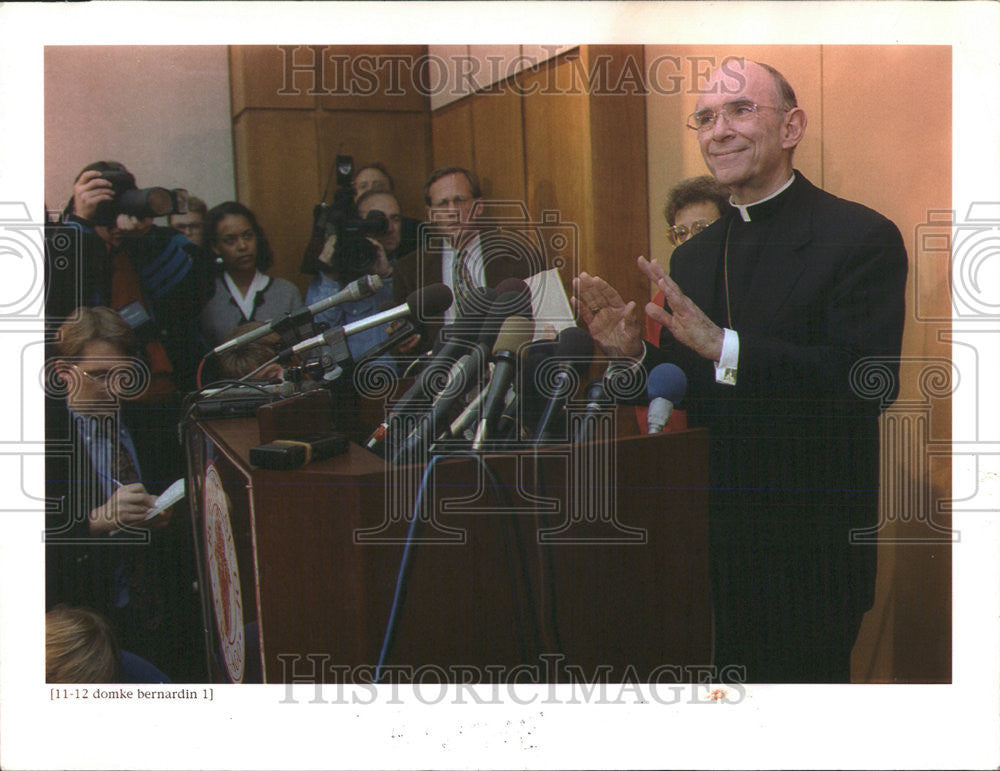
80, 647
90, 324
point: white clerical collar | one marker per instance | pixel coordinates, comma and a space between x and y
744, 208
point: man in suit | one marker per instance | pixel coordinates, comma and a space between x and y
454, 250
774, 312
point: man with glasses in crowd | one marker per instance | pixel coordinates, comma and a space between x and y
773, 312
453, 251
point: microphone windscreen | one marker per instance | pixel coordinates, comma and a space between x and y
430, 300
667, 381
516, 332
516, 298
574, 343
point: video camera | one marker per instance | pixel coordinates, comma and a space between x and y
353, 254
141, 203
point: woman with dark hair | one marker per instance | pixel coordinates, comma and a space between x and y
243, 291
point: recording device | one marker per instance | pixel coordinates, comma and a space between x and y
136, 202
285, 454
353, 254
665, 386
459, 363
238, 401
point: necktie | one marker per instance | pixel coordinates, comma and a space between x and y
127, 472
463, 278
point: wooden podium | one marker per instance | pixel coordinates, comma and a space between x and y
586, 560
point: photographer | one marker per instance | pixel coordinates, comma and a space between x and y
350, 254
152, 276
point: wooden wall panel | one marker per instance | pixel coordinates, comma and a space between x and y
618, 158
397, 140
498, 139
258, 77
558, 173
375, 78
276, 152
451, 136
890, 148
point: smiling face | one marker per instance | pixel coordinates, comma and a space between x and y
752, 157
236, 243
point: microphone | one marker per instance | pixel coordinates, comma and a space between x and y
461, 358
363, 287
463, 372
598, 400
665, 386
453, 341
432, 299
356, 290
516, 332
516, 300
574, 351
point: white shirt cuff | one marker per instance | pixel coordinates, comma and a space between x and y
725, 367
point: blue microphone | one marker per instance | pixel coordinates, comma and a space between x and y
665, 386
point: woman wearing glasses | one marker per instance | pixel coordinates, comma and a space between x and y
692, 205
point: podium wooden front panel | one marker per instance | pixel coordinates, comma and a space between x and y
600, 570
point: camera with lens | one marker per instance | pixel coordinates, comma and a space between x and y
353, 253
136, 202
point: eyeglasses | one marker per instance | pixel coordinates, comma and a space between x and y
679, 234
735, 113
457, 200
97, 377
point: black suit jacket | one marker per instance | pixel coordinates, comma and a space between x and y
795, 442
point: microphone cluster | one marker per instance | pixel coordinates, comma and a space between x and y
509, 390
487, 384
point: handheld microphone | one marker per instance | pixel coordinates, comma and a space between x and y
432, 299
363, 287
574, 350
666, 386
356, 290
516, 332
